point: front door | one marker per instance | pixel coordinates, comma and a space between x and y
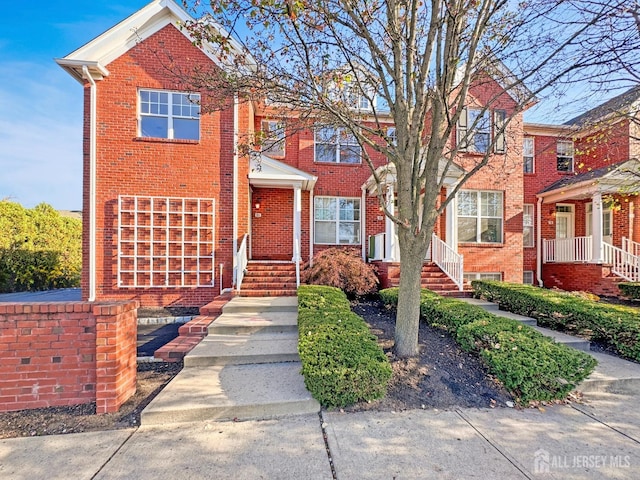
272, 224
565, 232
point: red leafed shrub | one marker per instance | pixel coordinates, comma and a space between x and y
344, 269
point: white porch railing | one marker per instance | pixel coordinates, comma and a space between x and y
579, 249
449, 261
242, 261
630, 246
623, 263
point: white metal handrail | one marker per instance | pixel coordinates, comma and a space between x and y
630, 246
449, 261
623, 263
243, 260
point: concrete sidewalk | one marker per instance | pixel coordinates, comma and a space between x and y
599, 439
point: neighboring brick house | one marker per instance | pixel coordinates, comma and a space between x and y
173, 211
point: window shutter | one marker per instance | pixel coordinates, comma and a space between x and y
499, 143
462, 130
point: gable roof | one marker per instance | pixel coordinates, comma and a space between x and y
609, 179
268, 172
619, 104
139, 26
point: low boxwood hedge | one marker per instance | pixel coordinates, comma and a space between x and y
342, 362
616, 326
530, 365
630, 289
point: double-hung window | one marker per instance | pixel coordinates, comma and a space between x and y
273, 138
337, 220
480, 216
336, 145
564, 154
528, 239
474, 130
171, 115
528, 148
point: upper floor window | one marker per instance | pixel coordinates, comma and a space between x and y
172, 115
273, 138
474, 130
337, 220
392, 136
564, 154
527, 154
480, 216
336, 145
528, 240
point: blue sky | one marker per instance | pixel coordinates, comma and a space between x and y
41, 105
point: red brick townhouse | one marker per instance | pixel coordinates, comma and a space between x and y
174, 214
581, 185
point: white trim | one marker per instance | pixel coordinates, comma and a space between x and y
337, 220
539, 243
92, 182
236, 136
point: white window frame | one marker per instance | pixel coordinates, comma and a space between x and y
339, 133
469, 127
273, 140
337, 220
528, 277
479, 216
392, 136
528, 213
528, 152
146, 110
564, 153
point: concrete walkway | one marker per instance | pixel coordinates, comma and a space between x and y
596, 440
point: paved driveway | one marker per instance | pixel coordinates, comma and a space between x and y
61, 295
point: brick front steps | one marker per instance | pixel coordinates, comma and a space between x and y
192, 332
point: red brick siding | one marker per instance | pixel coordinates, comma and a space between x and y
63, 354
581, 276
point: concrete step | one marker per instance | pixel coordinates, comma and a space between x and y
258, 305
243, 323
489, 306
232, 392
568, 340
514, 316
244, 349
612, 375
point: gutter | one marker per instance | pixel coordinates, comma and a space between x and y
92, 182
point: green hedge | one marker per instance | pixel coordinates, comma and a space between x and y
530, 365
616, 326
630, 289
341, 360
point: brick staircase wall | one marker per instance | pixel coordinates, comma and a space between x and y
433, 278
594, 278
269, 279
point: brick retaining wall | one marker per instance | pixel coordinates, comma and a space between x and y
60, 354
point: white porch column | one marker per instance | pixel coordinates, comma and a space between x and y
390, 244
297, 229
596, 228
452, 221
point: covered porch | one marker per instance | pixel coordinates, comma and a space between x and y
382, 247
587, 222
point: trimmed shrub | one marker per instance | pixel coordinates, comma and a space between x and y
616, 326
342, 268
529, 365
630, 289
342, 362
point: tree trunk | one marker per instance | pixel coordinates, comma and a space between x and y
412, 253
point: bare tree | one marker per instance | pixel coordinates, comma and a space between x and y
363, 65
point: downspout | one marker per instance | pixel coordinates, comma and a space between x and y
363, 219
235, 188
92, 182
539, 243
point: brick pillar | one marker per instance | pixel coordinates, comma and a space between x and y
116, 331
